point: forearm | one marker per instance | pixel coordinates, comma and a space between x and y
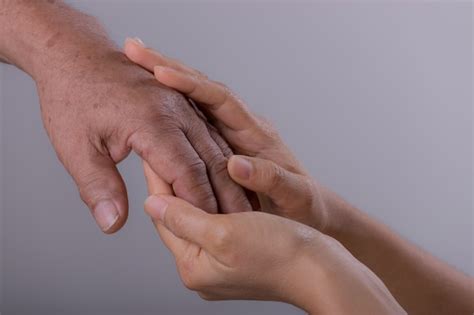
421, 283
39, 36
329, 280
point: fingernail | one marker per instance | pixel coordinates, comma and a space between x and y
135, 40
139, 41
106, 214
156, 207
242, 167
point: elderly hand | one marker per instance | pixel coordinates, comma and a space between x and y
99, 106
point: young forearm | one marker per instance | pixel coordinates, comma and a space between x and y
421, 283
327, 279
40, 36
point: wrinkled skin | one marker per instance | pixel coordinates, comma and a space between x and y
97, 109
287, 189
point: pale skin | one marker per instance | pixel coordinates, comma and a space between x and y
97, 107
260, 256
421, 283
218, 255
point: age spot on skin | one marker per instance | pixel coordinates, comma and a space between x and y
95, 105
53, 40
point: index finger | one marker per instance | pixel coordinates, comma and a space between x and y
157, 186
215, 97
149, 58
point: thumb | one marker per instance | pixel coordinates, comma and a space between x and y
102, 188
266, 177
180, 218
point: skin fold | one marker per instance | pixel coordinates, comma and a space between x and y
97, 107
421, 283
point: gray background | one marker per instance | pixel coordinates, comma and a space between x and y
375, 99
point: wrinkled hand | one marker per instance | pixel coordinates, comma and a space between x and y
268, 167
98, 108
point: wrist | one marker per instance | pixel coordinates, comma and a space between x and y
337, 213
40, 37
304, 282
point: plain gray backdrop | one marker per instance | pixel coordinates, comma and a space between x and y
374, 98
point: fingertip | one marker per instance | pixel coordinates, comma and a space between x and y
156, 206
139, 41
240, 167
135, 41
110, 215
132, 48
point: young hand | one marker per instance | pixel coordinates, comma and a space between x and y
259, 256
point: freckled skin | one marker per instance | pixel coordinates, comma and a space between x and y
53, 40
97, 107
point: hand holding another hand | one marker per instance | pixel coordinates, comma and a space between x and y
268, 167
256, 255
260, 256
97, 107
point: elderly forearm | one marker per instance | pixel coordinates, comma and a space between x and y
38, 36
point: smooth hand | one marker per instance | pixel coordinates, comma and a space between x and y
259, 256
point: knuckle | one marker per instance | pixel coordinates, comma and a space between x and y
307, 190
177, 221
197, 168
276, 175
218, 165
268, 131
197, 172
267, 126
199, 186
201, 74
226, 92
222, 85
226, 150
141, 142
92, 184
144, 149
223, 145
194, 87
144, 139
